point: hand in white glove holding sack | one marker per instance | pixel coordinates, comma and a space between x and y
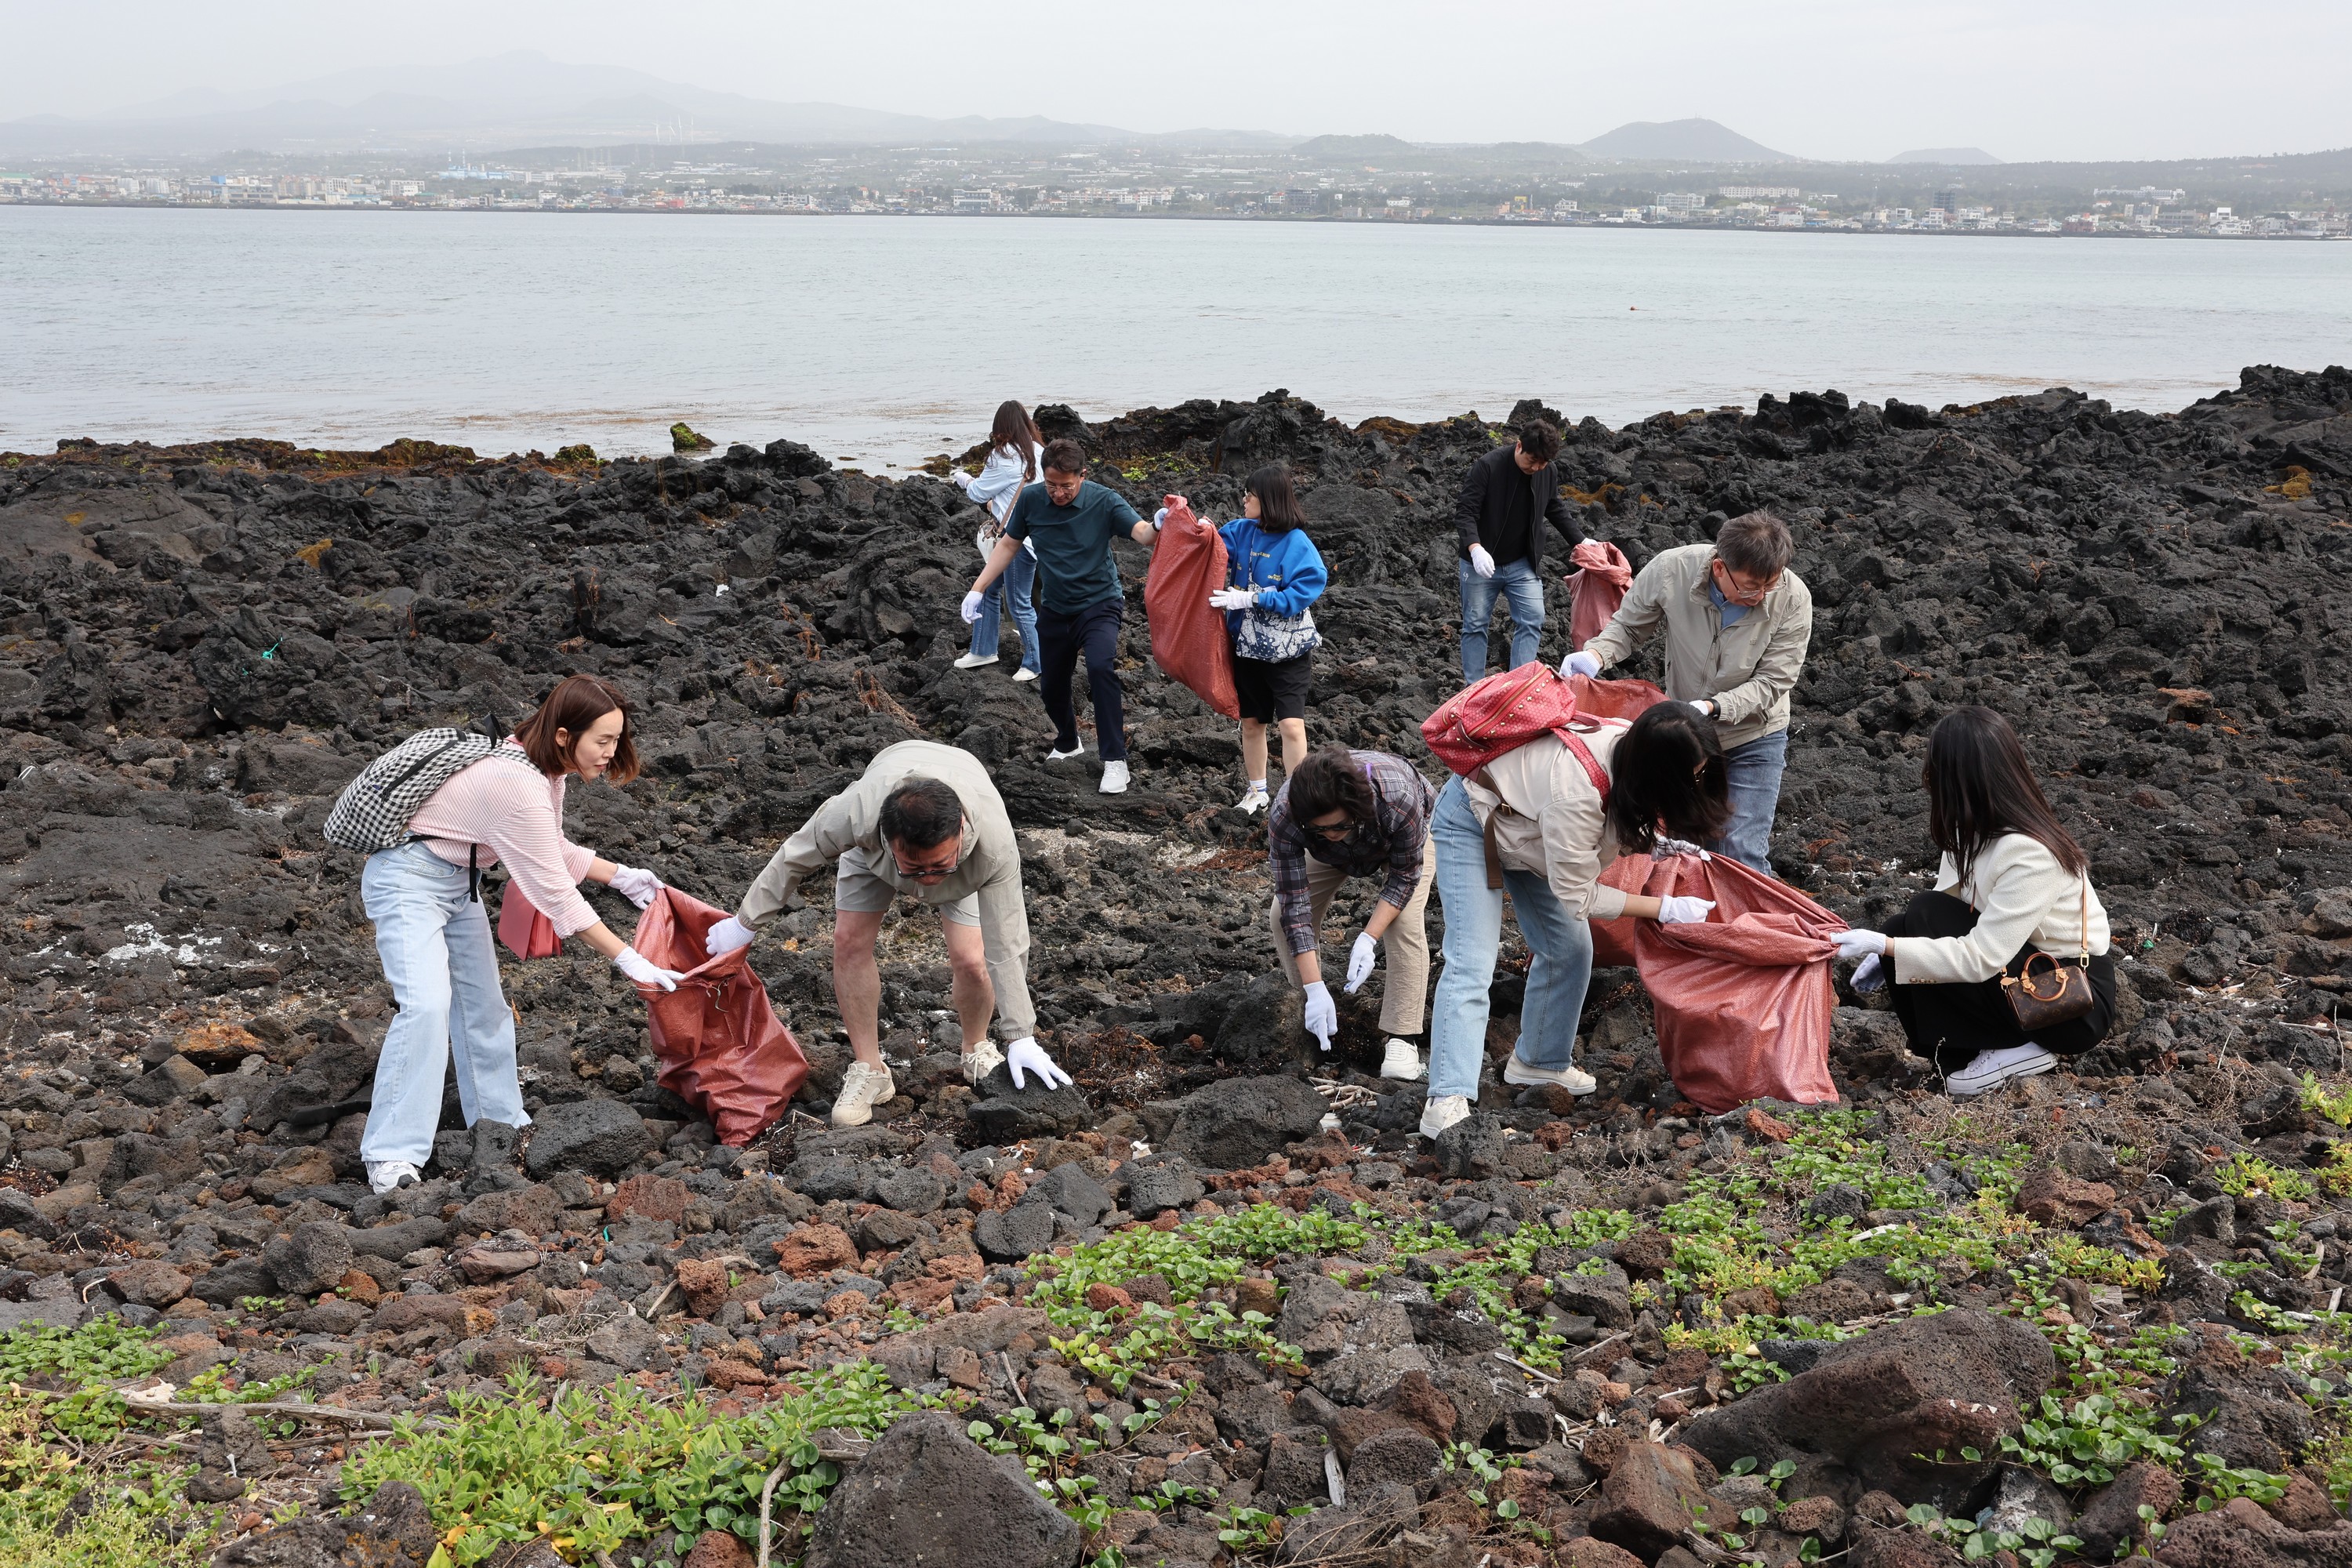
726, 937
638, 887
645, 971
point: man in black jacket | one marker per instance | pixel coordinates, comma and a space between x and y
1508, 498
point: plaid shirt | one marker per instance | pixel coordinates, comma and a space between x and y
1391, 845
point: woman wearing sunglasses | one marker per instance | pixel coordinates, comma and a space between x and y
1343, 814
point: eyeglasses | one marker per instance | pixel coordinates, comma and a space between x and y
1329, 832
928, 868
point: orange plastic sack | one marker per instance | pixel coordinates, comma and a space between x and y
723, 1049
1742, 1001
1595, 589
528, 933
1189, 639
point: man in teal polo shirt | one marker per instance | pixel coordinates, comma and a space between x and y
1080, 604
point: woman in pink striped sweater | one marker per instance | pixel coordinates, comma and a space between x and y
434, 939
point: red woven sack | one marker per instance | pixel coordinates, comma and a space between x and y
1189, 639
1741, 1001
1595, 588
723, 1049
1626, 700
523, 928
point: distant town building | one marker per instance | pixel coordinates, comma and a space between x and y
1758, 192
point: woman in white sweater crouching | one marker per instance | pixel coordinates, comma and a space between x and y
2013, 883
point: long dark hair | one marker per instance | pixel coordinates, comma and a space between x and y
1329, 779
1014, 431
1277, 503
1980, 785
1668, 770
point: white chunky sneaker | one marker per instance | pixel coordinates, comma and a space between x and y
1254, 800
1401, 1062
1441, 1113
862, 1089
1053, 755
975, 661
1576, 1080
1025, 673
980, 1060
390, 1175
1993, 1068
1114, 779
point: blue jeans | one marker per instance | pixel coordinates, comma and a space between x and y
1017, 581
436, 951
1515, 581
1559, 971
1755, 770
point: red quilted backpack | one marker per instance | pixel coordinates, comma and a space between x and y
1498, 715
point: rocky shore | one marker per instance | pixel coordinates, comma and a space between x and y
1170, 1315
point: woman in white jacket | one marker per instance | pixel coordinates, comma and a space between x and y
2012, 883
1013, 447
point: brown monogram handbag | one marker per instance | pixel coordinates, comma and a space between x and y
2043, 990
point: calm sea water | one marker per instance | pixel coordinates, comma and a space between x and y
885, 340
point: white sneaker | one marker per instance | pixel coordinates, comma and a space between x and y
1401, 1062
1025, 673
862, 1089
1254, 800
1993, 1068
1053, 755
975, 660
390, 1175
980, 1060
1576, 1080
1441, 1113
1114, 779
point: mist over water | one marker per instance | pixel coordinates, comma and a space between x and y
882, 341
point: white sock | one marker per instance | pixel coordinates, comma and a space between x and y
1257, 783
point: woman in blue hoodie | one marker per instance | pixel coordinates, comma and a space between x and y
1273, 572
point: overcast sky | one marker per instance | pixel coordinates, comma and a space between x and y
1829, 79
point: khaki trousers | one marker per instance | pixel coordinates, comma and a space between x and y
1404, 950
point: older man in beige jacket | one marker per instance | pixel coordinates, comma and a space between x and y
925, 820
1737, 622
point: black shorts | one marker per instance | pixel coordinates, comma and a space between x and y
1269, 691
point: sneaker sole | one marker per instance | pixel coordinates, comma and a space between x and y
1413, 1076
2007, 1075
1511, 1075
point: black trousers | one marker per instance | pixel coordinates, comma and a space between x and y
1060, 638
1950, 1023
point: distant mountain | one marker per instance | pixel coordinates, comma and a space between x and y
1696, 140
1952, 155
1355, 147
514, 99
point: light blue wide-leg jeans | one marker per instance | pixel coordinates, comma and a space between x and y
439, 956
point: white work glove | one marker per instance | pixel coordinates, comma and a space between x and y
1682, 909
1233, 598
959, 479
1026, 1057
1869, 977
1858, 943
1579, 663
637, 886
726, 937
1481, 562
1678, 846
971, 603
644, 970
1705, 706
1159, 518
1360, 960
1322, 1012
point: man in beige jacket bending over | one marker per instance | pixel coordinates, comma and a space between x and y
924, 820
1737, 622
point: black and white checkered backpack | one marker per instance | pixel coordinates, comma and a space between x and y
373, 810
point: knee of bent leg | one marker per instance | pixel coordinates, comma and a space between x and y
968, 967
